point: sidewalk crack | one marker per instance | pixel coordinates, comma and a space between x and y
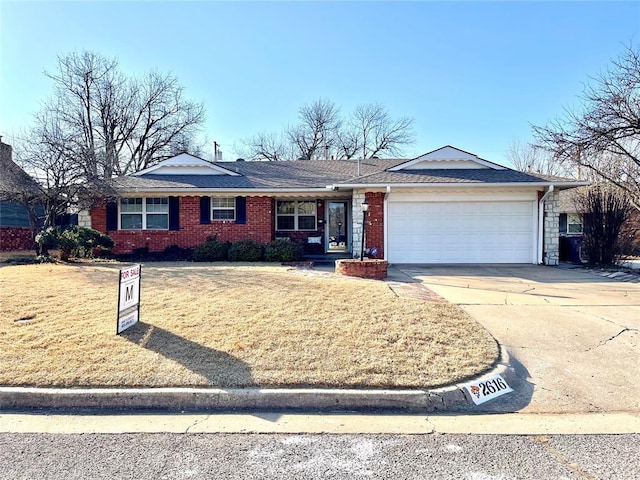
197, 422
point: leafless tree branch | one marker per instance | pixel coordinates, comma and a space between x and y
604, 135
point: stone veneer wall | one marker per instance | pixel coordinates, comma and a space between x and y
356, 221
551, 249
84, 218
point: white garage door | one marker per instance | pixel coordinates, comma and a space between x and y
461, 232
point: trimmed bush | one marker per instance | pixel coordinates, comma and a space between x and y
82, 241
174, 253
245, 251
73, 241
281, 250
211, 251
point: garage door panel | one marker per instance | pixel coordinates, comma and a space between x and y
460, 232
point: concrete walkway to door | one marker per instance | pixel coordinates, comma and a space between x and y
573, 336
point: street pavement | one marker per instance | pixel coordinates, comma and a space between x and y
253, 456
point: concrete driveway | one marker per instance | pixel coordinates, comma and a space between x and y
571, 334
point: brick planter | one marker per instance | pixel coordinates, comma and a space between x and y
367, 268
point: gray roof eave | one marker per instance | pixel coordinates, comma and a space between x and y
561, 184
189, 191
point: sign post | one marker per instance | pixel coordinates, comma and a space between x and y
128, 298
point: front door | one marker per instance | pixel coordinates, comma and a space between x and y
338, 227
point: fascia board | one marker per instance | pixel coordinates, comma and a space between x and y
191, 191
458, 185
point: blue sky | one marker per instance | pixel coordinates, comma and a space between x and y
475, 75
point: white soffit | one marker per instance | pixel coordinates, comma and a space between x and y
186, 164
447, 158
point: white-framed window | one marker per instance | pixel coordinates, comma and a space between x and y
574, 223
296, 215
141, 213
223, 208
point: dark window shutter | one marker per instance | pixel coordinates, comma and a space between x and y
205, 210
112, 216
563, 223
241, 210
174, 213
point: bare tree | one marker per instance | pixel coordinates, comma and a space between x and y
322, 133
371, 132
110, 124
315, 134
530, 158
604, 134
48, 156
265, 146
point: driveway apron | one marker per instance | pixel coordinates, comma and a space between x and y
573, 336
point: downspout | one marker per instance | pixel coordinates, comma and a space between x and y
541, 224
385, 216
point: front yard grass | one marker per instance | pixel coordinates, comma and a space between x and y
223, 325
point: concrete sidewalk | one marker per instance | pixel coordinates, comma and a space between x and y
348, 423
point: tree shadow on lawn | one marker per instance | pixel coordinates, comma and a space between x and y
219, 368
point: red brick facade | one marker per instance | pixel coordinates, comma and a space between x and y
259, 226
374, 235
16, 238
631, 231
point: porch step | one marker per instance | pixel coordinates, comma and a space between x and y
327, 258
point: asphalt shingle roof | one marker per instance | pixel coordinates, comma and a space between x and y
13, 179
265, 175
455, 176
320, 173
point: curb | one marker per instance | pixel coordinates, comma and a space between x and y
442, 399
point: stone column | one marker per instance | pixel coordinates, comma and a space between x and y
551, 227
356, 221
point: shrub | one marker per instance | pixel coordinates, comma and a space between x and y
46, 240
174, 253
74, 241
245, 251
604, 210
281, 250
139, 253
82, 241
211, 251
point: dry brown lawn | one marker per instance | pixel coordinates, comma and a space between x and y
224, 325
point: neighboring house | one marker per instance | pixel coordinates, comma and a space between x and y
446, 206
570, 228
16, 190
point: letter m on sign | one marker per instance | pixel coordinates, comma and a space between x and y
128, 295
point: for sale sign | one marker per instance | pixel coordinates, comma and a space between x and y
487, 389
128, 297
